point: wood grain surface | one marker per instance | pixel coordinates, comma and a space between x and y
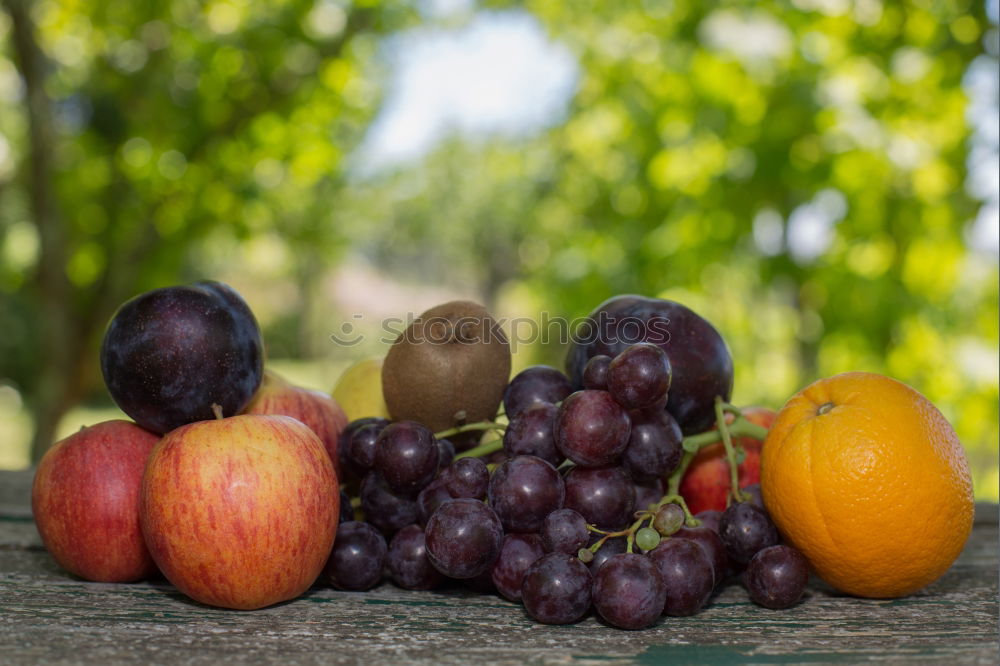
46, 616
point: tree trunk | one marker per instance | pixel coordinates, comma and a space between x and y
58, 338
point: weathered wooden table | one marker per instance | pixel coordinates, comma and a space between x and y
46, 616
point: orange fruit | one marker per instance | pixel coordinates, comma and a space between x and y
867, 478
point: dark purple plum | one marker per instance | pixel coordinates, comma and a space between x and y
702, 367
170, 354
537, 385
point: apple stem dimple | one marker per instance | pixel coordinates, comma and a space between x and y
217, 410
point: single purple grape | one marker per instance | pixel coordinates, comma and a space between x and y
746, 529
523, 491
430, 498
467, 477
532, 386
385, 508
776, 577
564, 531
357, 557
604, 496
409, 566
361, 446
531, 433
655, 445
611, 547
346, 511
712, 545
592, 429
557, 589
648, 492
709, 518
349, 467
517, 554
446, 453
595, 373
629, 592
687, 573
639, 377
463, 538
406, 455
753, 490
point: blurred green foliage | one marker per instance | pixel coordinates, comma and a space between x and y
193, 139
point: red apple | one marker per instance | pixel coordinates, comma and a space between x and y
317, 410
240, 512
85, 499
706, 483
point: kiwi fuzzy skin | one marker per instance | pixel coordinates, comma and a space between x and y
449, 367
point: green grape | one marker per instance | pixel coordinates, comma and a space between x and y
668, 519
647, 538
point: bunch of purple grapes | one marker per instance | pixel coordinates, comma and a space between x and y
547, 525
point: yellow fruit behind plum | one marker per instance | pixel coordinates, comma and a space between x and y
359, 390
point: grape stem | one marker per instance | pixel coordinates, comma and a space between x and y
727, 441
641, 517
471, 427
489, 447
689, 519
628, 533
740, 427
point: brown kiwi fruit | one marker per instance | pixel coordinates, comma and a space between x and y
448, 368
